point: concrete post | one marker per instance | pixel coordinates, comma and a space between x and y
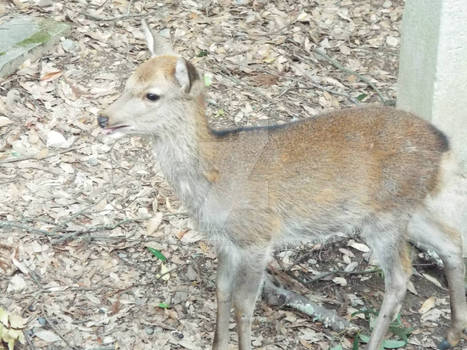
433, 70
433, 67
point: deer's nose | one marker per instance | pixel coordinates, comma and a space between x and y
103, 121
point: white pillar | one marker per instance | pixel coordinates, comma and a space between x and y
433, 71
433, 67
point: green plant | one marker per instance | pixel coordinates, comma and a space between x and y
396, 327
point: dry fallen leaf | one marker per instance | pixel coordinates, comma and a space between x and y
432, 315
56, 139
359, 246
51, 76
411, 288
340, 281
16, 321
46, 335
4, 121
427, 305
153, 224
432, 280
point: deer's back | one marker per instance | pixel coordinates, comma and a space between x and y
326, 173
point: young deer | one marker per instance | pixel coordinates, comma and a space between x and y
376, 172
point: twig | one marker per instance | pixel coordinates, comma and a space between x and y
83, 211
96, 229
55, 330
318, 86
12, 224
97, 7
229, 76
35, 158
17, 3
278, 296
111, 19
349, 71
151, 283
28, 340
337, 272
430, 253
130, 3
62, 238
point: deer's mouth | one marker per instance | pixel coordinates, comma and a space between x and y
112, 129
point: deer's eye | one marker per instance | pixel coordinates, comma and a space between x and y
152, 97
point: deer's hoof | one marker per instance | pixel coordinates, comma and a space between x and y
444, 345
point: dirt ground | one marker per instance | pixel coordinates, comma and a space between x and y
78, 211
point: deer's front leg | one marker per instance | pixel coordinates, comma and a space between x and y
239, 276
227, 265
247, 287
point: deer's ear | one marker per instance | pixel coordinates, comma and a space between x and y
157, 45
185, 74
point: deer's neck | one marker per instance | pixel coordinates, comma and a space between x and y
183, 159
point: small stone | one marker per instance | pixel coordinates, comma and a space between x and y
45, 3
238, 117
191, 274
12, 97
387, 4
165, 33
179, 297
178, 335
68, 45
93, 161
42, 321
17, 284
392, 41
149, 330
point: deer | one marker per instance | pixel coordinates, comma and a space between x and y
382, 174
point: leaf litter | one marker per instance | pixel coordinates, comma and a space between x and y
79, 210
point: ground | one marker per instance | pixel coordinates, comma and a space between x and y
79, 211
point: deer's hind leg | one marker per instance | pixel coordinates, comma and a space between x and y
434, 234
386, 237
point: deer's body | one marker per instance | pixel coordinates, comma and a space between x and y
374, 171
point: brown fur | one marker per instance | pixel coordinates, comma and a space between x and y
397, 166
156, 68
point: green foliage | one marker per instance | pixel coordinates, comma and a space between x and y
163, 305
400, 330
37, 38
202, 53
207, 80
366, 312
356, 342
157, 254
361, 97
396, 327
337, 347
219, 113
10, 329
